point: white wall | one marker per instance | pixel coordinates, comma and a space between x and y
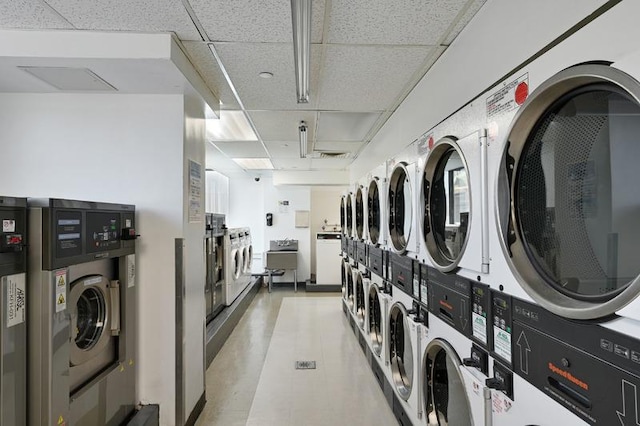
325, 204
126, 149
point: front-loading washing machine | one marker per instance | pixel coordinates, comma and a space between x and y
82, 329
13, 311
378, 302
360, 213
214, 262
233, 265
247, 256
376, 210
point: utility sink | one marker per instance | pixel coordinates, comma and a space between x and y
283, 245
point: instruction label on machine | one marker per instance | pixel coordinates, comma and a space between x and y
508, 97
61, 290
14, 286
502, 343
479, 327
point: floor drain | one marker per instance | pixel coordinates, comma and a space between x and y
305, 365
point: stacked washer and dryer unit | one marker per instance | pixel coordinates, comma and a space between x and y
214, 290
238, 252
526, 209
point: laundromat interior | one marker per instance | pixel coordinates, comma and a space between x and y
319, 212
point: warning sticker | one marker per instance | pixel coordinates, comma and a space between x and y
508, 97
61, 290
425, 143
14, 286
502, 343
8, 225
479, 327
131, 270
500, 402
416, 288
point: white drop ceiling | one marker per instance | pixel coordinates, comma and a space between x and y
366, 56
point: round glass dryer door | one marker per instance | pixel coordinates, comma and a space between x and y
248, 255
343, 222
350, 296
570, 228
359, 214
400, 208
446, 204
373, 211
400, 350
236, 255
349, 215
343, 270
90, 305
375, 320
445, 398
360, 300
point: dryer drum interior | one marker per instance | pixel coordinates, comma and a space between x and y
400, 351
343, 270
373, 212
571, 166
375, 320
445, 397
360, 301
350, 296
237, 264
349, 216
359, 214
400, 208
248, 255
446, 204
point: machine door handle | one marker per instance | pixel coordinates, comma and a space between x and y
114, 292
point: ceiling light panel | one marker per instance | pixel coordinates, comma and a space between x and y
128, 15
345, 126
292, 163
70, 79
237, 21
208, 68
232, 126
391, 22
367, 78
282, 125
244, 61
254, 163
241, 149
27, 14
469, 14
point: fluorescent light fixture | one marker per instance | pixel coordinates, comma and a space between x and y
232, 126
302, 130
301, 19
254, 163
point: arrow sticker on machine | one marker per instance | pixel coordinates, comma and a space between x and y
629, 414
523, 344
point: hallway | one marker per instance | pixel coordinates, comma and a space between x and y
253, 379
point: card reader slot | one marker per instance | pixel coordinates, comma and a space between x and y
571, 393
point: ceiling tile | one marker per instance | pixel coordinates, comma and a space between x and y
242, 149
292, 163
367, 78
29, 14
283, 149
337, 146
244, 61
253, 21
468, 15
128, 15
330, 163
345, 126
283, 125
391, 22
207, 66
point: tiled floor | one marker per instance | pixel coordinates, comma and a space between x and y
253, 381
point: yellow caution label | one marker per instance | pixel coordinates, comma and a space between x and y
60, 420
121, 368
130, 362
61, 283
61, 299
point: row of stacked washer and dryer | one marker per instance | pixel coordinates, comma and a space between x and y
489, 269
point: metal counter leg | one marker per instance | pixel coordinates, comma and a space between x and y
270, 281
295, 280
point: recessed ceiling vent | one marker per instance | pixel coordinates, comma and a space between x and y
330, 154
71, 79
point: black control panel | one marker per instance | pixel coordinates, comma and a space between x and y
81, 231
13, 239
502, 326
479, 359
502, 380
361, 252
215, 224
481, 314
449, 299
424, 288
402, 272
374, 263
590, 369
416, 280
343, 244
351, 248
